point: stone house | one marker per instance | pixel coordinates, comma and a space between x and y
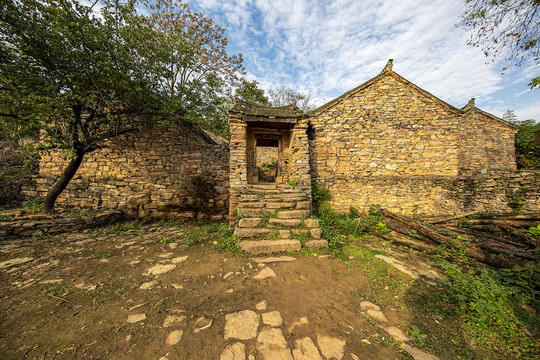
385, 142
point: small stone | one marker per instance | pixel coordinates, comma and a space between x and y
52, 281
147, 285
316, 244
265, 273
272, 345
397, 334
174, 337
242, 325
161, 269
228, 274
177, 286
261, 306
180, 259
366, 305
82, 286
12, 262
134, 262
377, 315
272, 318
236, 351
418, 354
201, 324
306, 350
331, 347
274, 259
354, 357
366, 341
229, 291
136, 318
173, 320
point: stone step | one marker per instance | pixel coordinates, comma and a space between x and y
269, 246
280, 205
253, 232
285, 222
254, 212
250, 222
293, 214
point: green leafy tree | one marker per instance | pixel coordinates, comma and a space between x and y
80, 74
527, 152
505, 28
71, 74
192, 66
249, 91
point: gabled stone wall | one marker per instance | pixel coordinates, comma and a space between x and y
390, 143
153, 172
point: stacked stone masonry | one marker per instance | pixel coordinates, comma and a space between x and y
391, 143
154, 172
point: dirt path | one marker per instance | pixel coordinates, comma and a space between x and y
133, 295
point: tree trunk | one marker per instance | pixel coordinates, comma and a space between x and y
62, 182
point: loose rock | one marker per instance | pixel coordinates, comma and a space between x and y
272, 318
265, 273
261, 306
236, 351
242, 325
331, 347
377, 315
173, 320
12, 262
306, 350
174, 337
136, 318
161, 269
147, 285
180, 259
272, 345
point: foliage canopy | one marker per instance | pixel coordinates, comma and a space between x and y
505, 28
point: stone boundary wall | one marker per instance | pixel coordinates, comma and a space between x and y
28, 227
155, 172
485, 143
436, 195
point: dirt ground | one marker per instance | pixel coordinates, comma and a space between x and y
73, 294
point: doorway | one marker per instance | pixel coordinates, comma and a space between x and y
267, 158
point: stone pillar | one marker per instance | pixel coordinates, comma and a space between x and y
299, 154
237, 162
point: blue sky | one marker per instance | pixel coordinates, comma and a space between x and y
330, 47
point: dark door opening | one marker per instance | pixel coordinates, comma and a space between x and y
267, 158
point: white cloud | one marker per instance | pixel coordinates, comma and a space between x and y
329, 47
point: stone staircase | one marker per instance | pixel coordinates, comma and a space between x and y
276, 218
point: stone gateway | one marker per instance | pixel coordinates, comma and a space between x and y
386, 142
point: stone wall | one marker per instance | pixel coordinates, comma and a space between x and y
485, 142
390, 143
386, 129
153, 172
436, 195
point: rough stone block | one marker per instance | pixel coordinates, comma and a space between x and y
269, 246
316, 244
250, 222
253, 232
285, 222
293, 214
